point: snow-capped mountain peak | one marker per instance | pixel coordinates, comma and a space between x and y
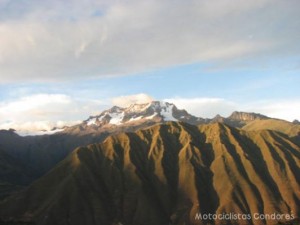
138, 107
137, 116
156, 111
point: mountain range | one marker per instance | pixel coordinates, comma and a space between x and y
152, 164
42, 152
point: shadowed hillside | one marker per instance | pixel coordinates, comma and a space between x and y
13, 174
167, 174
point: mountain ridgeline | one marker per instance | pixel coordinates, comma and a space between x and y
42, 152
167, 174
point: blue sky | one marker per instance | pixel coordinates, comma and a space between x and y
188, 81
59, 62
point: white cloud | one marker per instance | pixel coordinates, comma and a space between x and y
204, 107
54, 40
210, 107
45, 111
28, 103
36, 127
284, 109
125, 101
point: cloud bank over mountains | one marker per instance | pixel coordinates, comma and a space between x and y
209, 107
46, 111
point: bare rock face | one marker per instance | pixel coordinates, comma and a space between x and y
244, 116
238, 119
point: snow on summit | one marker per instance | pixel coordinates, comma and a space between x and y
155, 110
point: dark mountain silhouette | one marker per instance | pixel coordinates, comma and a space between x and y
14, 175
